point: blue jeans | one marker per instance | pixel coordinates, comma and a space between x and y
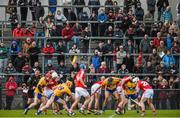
37, 39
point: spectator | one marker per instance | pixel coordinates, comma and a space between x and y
10, 10
169, 41
14, 20
54, 32
156, 40
23, 10
3, 56
128, 4
59, 17
160, 69
148, 19
49, 66
139, 12
92, 78
14, 50
149, 68
116, 7
49, 25
109, 32
19, 62
40, 31
123, 70
119, 56
27, 70
94, 9
167, 16
48, 51
61, 49
18, 32
154, 58
118, 33
108, 6
130, 33
36, 67
129, 62
161, 5
9, 68
96, 60
83, 16
111, 16
161, 49
102, 18
74, 50
175, 49
26, 46
79, 2
101, 48
126, 22
168, 59
151, 6
103, 68
1, 95
77, 29
50, 16
71, 16
33, 52
53, 3
109, 50
178, 14
116, 49
11, 87
33, 5
85, 39
30, 31
62, 68
137, 68
39, 11
94, 26
144, 44
74, 68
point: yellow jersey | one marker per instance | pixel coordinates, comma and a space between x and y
62, 89
42, 82
113, 85
129, 88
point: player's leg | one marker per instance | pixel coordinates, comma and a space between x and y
107, 94
121, 104
63, 102
96, 107
90, 103
150, 101
86, 95
142, 105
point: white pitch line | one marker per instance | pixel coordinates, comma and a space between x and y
112, 116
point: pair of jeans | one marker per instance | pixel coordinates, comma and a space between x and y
9, 100
40, 34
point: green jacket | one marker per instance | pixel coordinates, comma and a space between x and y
3, 52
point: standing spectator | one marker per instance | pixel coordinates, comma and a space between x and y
14, 20
48, 51
26, 46
123, 70
149, 68
11, 87
130, 32
49, 25
62, 68
156, 40
49, 67
77, 29
167, 16
154, 58
126, 22
96, 60
151, 6
54, 32
3, 56
120, 55
118, 33
40, 31
178, 14
61, 49
102, 18
19, 62
14, 49
109, 32
13, 3
103, 68
27, 70
59, 17
74, 50
161, 49
129, 47
94, 9
33, 5
18, 32
169, 41
33, 52
94, 26
53, 3
9, 68
168, 59
23, 10
36, 67
161, 5
70, 15
144, 44
108, 6
116, 49
51, 16
148, 19
85, 41
129, 62
30, 32
39, 11
109, 50
127, 5
116, 7
139, 12
83, 16
79, 2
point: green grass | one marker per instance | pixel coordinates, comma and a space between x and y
108, 114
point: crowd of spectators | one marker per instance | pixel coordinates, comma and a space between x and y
143, 36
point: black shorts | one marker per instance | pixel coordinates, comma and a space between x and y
30, 94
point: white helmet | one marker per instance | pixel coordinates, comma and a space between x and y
54, 75
135, 79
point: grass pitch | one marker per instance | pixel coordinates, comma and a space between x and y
107, 114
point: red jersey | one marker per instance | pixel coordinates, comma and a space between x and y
143, 85
51, 83
80, 74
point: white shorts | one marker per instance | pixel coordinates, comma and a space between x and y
81, 92
94, 88
48, 93
119, 90
148, 94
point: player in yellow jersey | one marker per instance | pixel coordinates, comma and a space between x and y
110, 84
59, 90
128, 92
38, 92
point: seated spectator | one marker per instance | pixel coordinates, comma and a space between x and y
154, 58
160, 69
30, 31
11, 87
109, 50
62, 68
126, 22
119, 56
77, 29
36, 66
141, 31
137, 68
167, 16
96, 60
83, 16
18, 32
139, 12
14, 50
9, 68
85, 41
61, 49
59, 17
49, 66
119, 16
48, 27
27, 70
26, 46
101, 48
54, 32
109, 32
40, 31
50, 16
175, 49
33, 53
129, 47
148, 18
169, 41
149, 68
168, 59
118, 32
48, 51
156, 40
129, 62
19, 62
74, 68
116, 7
161, 49
74, 50
103, 68
123, 70
111, 16
172, 69
144, 44
3, 56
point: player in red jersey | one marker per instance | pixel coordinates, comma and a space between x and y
80, 90
147, 95
95, 95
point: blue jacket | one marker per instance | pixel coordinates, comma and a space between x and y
102, 17
95, 60
168, 60
169, 42
52, 9
14, 49
167, 16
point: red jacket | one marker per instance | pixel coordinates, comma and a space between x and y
18, 32
69, 33
11, 87
48, 50
156, 42
29, 33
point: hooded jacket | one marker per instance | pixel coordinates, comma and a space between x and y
14, 49
11, 87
